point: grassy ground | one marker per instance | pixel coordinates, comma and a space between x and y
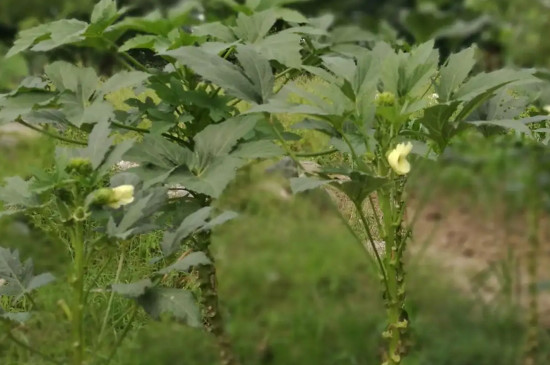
295, 288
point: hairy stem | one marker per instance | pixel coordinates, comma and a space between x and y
78, 293
50, 134
395, 239
212, 318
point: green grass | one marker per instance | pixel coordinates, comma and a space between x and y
295, 289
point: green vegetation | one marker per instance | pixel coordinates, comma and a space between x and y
293, 294
242, 183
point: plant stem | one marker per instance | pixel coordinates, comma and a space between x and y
129, 127
317, 154
50, 134
212, 317
395, 239
146, 131
78, 293
128, 57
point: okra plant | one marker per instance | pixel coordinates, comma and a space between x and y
203, 105
179, 126
378, 106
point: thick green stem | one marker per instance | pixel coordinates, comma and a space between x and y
212, 317
395, 237
77, 309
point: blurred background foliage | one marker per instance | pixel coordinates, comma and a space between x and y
506, 31
509, 31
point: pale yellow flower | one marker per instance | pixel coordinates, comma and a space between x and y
398, 158
546, 108
121, 195
433, 99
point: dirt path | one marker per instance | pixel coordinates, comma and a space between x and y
486, 253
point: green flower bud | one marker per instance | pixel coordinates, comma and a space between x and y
103, 196
79, 165
385, 98
115, 197
80, 214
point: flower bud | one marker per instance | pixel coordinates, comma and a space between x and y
79, 165
385, 98
114, 197
103, 196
